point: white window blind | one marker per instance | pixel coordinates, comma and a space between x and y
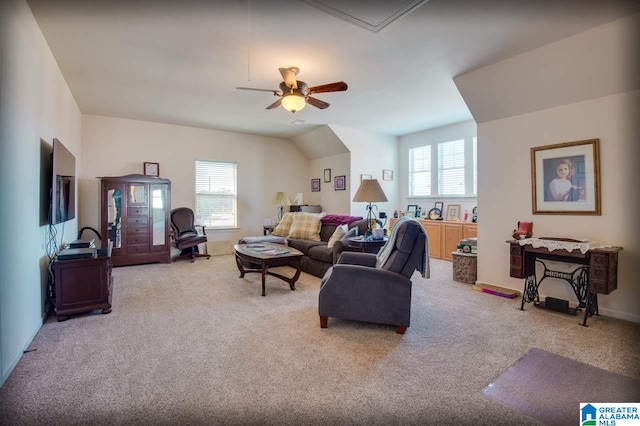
475, 168
420, 171
446, 169
451, 168
216, 194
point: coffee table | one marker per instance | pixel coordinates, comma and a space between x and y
260, 257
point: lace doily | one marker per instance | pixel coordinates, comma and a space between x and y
552, 245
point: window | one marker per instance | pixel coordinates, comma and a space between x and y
475, 166
443, 169
216, 194
420, 171
451, 168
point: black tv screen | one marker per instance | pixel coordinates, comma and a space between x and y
63, 184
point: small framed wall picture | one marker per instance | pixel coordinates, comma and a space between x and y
387, 174
365, 177
151, 169
339, 183
315, 185
327, 175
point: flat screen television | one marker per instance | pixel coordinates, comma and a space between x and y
63, 184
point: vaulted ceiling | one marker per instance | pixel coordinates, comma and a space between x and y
180, 61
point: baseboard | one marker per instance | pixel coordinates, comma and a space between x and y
217, 248
625, 316
613, 313
6, 372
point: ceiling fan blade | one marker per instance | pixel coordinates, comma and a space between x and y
317, 103
338, 86
289, 76
276, 104
275, 92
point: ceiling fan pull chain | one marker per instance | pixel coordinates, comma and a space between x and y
249, 46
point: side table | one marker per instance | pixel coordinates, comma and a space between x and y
366, 245
83, 285
465, 267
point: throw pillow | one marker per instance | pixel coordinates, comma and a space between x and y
283, 227
306, 226
337, 235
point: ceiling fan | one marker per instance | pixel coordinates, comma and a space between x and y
294, 94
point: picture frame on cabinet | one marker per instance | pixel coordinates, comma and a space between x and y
453, 212
151, 169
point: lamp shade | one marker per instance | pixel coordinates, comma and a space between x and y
370, 191
281, 199
293, 102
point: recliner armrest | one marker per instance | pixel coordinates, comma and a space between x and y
358, 258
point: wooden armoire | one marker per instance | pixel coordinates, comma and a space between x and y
134, 215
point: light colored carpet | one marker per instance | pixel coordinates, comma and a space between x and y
194, 344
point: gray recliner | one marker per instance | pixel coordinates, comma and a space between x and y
357, 289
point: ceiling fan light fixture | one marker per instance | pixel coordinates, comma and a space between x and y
293, 102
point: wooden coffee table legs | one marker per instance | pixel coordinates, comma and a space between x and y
265, 264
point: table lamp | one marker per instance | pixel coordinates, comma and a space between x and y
281, 200
370, 191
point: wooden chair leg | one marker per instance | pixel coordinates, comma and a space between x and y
323, 322
401, 329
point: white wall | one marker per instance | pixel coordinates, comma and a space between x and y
370, 154
325, 150
35, 107
505, 191
516, 110
115, 147
332, 201
463, 130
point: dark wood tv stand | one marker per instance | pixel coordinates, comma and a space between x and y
83, 285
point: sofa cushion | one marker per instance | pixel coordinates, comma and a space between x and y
326, 231
337, 235
321, 253
283, 227
306, 226
305, 245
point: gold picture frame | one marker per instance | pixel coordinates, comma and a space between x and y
565, 178
453, 212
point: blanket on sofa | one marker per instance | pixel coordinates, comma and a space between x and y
339, 219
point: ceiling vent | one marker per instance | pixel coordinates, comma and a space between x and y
373, 15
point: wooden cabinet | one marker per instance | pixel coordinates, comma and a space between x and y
451, 236
470, 230
82, 285
135, 217
444, 236
433, 231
